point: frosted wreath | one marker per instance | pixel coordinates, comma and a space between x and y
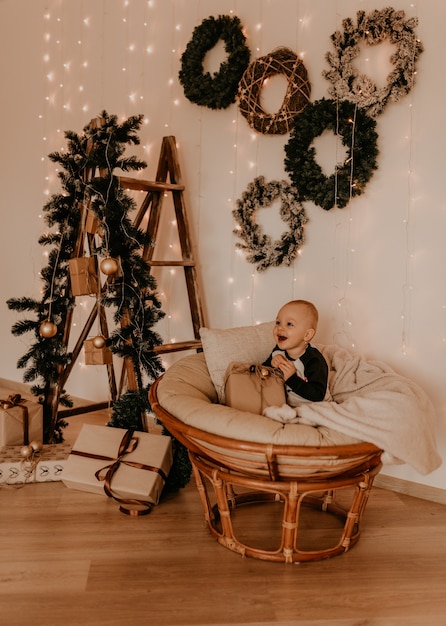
357, 132
347, 83
280, 61
261, 249
219, 90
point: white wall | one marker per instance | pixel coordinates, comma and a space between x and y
63, 62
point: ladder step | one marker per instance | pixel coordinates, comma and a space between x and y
178, 346
148, 185
87, 408
171, 263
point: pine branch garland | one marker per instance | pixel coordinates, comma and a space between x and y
131, 295
99, 149
347, 83
261, 249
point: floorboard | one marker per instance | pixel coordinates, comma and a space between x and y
71, 558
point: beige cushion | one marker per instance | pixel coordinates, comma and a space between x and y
186, 391
248, 344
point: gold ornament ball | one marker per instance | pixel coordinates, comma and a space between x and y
48, 329
99, 341
109, 266
36, 445
26, 451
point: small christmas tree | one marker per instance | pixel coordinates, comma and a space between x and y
89, 182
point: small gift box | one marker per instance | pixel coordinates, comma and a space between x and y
21, 420
91, 222
83, 275
250, 387
45, 465
129, 466
96, 356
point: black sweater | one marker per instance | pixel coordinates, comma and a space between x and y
314, 386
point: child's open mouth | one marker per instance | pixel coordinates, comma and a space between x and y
281, 338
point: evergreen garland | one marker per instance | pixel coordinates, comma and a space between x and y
97, 149
132, 293
219, 90
261, 249
357, 132
347, 83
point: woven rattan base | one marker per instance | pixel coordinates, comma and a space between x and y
223, 494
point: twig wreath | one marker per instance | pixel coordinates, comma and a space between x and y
261, 249
219, 90
348, 83
280, 61
357, 133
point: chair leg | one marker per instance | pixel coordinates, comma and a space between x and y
290, 523
294, 496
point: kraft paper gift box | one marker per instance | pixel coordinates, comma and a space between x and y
83, 276
46, 466
130, 466
96, 356
91, 222
21, 420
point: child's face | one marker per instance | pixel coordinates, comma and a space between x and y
293, 330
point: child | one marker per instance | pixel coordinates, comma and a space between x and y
304, 368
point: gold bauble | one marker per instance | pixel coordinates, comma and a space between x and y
26, 451
36, 445
99, 341
109, 266
48, 329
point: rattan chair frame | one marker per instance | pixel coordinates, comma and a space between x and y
230, 473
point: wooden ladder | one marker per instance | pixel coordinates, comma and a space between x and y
169, 180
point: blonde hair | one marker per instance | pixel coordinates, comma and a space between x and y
310, 309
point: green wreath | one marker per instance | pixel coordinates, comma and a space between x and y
219, 90
261, 249
373, 28
357, 132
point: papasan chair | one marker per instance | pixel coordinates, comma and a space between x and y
316, 476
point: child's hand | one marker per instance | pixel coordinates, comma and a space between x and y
284, 365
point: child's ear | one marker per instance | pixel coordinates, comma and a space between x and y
309, 334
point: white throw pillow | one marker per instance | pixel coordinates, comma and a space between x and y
248, 344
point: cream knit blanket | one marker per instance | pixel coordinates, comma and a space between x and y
373, 403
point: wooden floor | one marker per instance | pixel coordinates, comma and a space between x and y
71, 558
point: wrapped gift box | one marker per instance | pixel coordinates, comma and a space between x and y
12, 419
46, 466
139, 473
96, 356
91, 222
83, 275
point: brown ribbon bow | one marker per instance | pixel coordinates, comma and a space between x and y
128, 444
15, 399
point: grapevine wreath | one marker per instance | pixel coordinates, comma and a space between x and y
219, 90
357, 133
280, 61
347, 83
261, 249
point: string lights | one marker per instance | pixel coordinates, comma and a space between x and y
243, 306
72, 63
407, 227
